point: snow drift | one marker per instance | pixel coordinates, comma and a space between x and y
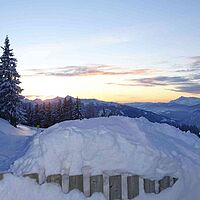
13, 144
118, 144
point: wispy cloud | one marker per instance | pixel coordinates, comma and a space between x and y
102, 70
185, 79
161, 80
193, 88
192, 67
179, 84
195, 58
156, 81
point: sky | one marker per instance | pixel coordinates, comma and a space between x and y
123, 51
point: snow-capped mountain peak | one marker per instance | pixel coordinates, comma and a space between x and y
189, 101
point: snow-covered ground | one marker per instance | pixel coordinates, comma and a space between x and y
13, 143
115, 144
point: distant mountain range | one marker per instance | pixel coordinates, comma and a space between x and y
184, 110
95, 108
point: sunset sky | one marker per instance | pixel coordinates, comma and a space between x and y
113, 50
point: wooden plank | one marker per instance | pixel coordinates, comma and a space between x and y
86, 183
1, 177
34, 176
124, 183
115, 187
76, 182
42, 176
149, 186
96, 184
164, 183
106, 189
133, 186
65, 183
55, 178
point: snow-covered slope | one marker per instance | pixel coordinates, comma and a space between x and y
118, 144
13, 143
184, 110
189, 101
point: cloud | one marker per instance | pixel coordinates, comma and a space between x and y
71, 71
185, 80
192, 67
195, 58
196, 77
191, 88
179, 83
39, 96
159, 81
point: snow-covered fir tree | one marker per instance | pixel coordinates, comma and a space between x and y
77, 110
70, 109
10, 99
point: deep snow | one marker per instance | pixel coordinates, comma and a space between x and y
118, 144
13, 143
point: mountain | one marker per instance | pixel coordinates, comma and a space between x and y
188, 101
184, 110
92, 108
179, 115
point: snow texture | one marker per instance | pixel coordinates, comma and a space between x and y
118, 144
13, 143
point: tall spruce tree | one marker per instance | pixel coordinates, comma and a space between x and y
77, 110
64, 109
10, 98
70, 109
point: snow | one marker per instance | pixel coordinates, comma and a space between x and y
29, 131
6, 128
118, 144
13, 144
189, 101
19, 188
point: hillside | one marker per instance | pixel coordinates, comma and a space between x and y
184, 110
91, 108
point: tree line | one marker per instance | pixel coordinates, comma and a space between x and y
46, 114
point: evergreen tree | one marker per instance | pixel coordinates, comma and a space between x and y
64, 110
36, 119
103, 113
70, 109
10, 98
42, 115
77, 110
48, 115
57, 112
29, 114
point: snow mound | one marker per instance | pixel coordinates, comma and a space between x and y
117, 144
